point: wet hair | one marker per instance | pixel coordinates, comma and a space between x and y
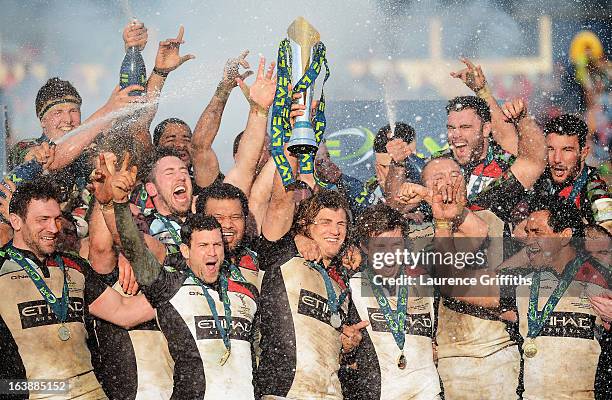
161, 128
596, 230
561, 214
402, 131
222, 191
196, 223
147, 172
38, 189
438, 157
480, 107
237, 140
310, 207
54, 92
376, 220
568, 125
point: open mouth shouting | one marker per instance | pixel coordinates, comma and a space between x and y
180, 195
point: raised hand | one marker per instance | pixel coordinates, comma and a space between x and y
472, 75
398, 149
514, 111
351, 336
413, 193
231, 73
261, 94
7, 188
101, 178
123, 181
44, 154
168, 58
120, 98
135, 35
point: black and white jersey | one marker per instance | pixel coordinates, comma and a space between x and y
377, 375
299, 347
194, 340
131, 363
30, 347
568, 347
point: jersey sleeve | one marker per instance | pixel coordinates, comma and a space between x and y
168, 282
501, 196
270, 253
94, 286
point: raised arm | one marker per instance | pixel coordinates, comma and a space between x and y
261, 193
260, 97
205, 162
166, 61
531, 157
145, 265
473, 77
279, 215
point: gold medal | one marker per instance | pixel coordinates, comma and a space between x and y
529, 348
401, 361
63, 332
224, 357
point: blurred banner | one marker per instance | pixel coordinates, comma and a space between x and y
352, 126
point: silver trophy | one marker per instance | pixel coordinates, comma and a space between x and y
302, 38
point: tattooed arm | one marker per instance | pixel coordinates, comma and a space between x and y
205, 162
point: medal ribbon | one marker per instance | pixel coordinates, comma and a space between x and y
578, 185
396, 321
488, 160
223, 283
59, 306
281, 108
176, 238
536, 319
332, 301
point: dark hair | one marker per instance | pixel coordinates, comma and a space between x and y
38, 189
161, 127
597, 229
54, 92
376, 220
310, 207
561, 214
568, 125
237, 140
480, 107
222, 191
196, 223
147, 172
401, 131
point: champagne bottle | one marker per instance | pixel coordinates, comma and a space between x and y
133, 71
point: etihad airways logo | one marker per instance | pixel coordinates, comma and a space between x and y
570, 324
416, 324
39, 313
315, 306
206, 328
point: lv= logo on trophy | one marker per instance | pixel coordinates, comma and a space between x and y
300, 57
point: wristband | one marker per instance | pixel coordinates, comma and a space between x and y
161, 73
110, 206
484, 92
444, 224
